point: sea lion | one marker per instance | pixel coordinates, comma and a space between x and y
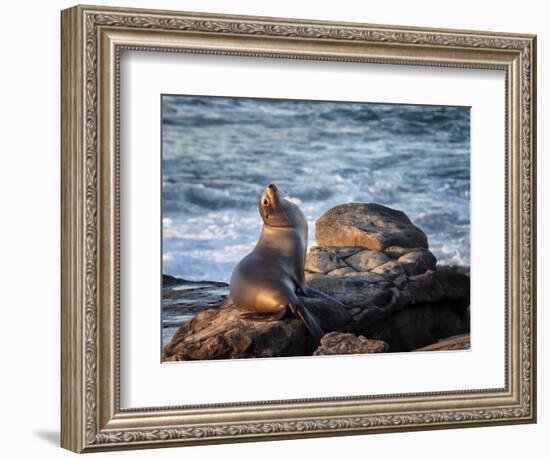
267, 280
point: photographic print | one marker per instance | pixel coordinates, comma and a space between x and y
308, 228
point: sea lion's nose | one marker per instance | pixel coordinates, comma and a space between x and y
272, 187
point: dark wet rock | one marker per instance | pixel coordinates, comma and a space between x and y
418, 326
402, 298
424, 288
371, 226
168, 281
337, 343
464, 270
461, 342
400, 280
455, 283
330, 315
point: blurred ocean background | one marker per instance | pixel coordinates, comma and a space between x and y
218, 154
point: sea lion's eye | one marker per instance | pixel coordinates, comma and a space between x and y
266, 202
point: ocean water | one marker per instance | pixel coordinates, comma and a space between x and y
219, 153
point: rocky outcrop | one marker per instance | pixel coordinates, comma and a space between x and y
366, 279
228, 333
377, 264
371, 226
418, 325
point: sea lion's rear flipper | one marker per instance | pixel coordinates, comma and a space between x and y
314, 292
299, 308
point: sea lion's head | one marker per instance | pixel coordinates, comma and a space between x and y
276, 211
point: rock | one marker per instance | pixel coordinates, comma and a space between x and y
455, 283
337, 343
400, 280
330, 315
417, 326
369, 277
368, 295
341, 271
330, 284
371, 226
464, 270
228, 333
418, 261
424, 288
310, 276
367, 260
403, 298
323, 262
395, 252
460, 342
341, 251
389, 270
354, 291
169, 280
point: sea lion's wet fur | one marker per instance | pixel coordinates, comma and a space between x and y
266, 281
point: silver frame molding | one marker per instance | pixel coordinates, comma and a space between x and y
92, 40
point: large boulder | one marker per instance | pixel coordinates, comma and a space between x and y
371, 226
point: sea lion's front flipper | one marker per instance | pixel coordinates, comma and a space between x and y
299, 308
314, 292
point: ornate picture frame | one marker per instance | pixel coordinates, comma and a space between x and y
93, 39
